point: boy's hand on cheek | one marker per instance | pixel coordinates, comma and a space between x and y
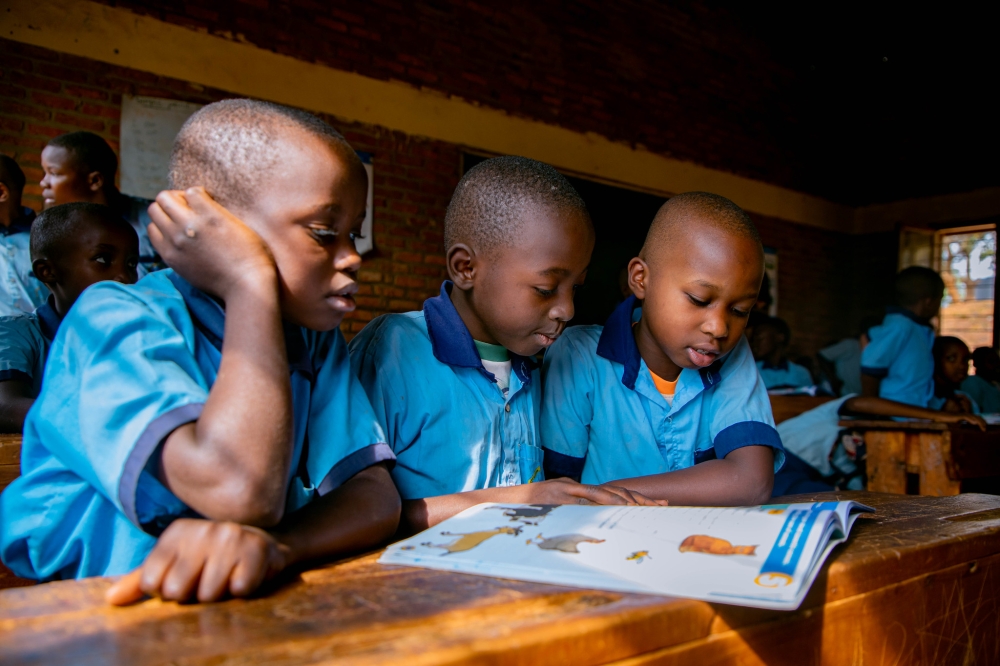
203, 559
207, 245
567, 491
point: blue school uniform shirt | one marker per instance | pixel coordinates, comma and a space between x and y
900, 355
784, 375
984, 393
20, 291
603, 418
813, 435
24, 344
846, 358
129, 365
449, 424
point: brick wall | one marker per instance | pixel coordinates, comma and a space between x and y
44, 94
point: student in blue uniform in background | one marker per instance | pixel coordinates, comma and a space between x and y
898, 364
665, 399
20, 290
984, 386
72, 246
455, 385
203, 424
80, 166
769, 344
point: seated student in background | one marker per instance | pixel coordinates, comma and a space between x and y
20, 290
897, 364
951, 368
822, 456
203, 424
72, 247
984, 386
80, 166
841, 361
770, 341
665, 399
455, 385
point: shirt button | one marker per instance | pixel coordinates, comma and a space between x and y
507, 408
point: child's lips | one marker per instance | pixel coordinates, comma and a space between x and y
546, 339
702, 358
343, 299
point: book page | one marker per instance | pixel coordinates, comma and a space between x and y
760, 556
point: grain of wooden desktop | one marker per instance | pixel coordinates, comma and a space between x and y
918, 583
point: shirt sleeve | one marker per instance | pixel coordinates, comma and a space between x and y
568, 386
122, 377
740, 413
344, 434
19, 349
883, 350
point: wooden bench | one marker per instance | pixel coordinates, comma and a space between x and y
785, 407
938, 456
918, 583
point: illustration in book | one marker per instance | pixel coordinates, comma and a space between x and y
566, 543
702, 543
466, 542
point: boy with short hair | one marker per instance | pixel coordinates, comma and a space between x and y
81, 166
665, 399
203, 425
20, 290
455, 385
72, 247
769, 344
898, 364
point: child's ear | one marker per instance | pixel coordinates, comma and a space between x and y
461, 266
4, 193
638, 274
95, 181
45, 271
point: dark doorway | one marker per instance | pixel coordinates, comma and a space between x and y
621, 219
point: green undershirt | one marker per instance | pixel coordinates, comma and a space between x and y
495, 353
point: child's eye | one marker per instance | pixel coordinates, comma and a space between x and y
356, 236
547, 293
103, 259
697, 301
132, 263
741, 313
324, 236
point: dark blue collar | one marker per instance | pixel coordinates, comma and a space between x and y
767, 365
617, 343
453, 344
21, 224
209, 317
895, 309
48, 318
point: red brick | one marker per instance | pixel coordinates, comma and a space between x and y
89, 93
80, 123
54, 101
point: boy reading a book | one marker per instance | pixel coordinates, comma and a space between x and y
455, 385
665, 399
203, 424
72, 246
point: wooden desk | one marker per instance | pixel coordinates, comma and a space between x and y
918, 583
940, 455
784, 407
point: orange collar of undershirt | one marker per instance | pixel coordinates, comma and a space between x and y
662, 385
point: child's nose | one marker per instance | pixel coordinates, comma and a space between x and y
564, 308
716, 325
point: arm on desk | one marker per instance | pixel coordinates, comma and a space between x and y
420, 514
883, 407
15, 401
744, 477
208, 559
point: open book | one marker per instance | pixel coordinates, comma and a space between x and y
762, 556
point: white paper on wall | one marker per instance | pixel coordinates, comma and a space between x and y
149, 126
367, 242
